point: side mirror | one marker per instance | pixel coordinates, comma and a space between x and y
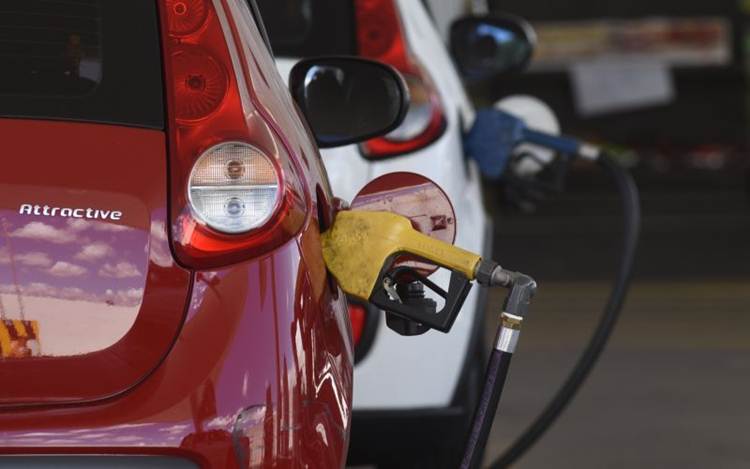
486, 46
348, 100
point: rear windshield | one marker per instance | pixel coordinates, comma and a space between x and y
88, 60
305, 28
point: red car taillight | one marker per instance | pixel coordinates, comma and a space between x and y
235, 193
358, 318
380, 37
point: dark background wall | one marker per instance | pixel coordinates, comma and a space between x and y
710, 104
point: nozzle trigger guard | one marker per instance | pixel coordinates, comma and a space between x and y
424, 314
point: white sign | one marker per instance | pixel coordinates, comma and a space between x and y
615, 85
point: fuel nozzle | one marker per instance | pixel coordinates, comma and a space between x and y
531, 159
361, 249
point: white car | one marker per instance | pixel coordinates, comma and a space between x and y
413, 396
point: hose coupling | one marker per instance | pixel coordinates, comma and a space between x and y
523, 288
490, 274
508, 333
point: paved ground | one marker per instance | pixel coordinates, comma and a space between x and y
673, 389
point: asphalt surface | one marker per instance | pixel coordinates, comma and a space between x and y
672, 389
670, 392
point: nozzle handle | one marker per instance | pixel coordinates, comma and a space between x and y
361, 244
441, 253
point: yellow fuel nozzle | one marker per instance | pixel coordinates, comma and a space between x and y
360, 249
359, 244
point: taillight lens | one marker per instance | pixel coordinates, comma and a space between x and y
234, 188
358, 319
380, 36
186, 16
200, 83
235, 191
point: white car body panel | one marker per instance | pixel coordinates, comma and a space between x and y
422, 371
444, 12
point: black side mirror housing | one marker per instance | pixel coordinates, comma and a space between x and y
486, 46
347, 99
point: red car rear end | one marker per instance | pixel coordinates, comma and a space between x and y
163, 297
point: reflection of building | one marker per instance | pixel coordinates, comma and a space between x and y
253, 424
71, 281
19, 339
74, 327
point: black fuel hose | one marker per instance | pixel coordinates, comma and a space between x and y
496, 374
631, 232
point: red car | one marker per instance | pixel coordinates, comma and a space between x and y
163, 296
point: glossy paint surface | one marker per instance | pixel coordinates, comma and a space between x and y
261, 368
104, 294
260, 371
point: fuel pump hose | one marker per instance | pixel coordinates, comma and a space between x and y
591, 354
522, 289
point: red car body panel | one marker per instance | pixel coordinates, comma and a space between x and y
104, 167
261, 363
248, 365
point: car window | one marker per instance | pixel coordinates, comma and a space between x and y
304, 28
88, 60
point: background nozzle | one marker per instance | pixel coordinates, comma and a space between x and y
497, 133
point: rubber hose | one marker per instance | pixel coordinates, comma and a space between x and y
497, 372
632, 220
